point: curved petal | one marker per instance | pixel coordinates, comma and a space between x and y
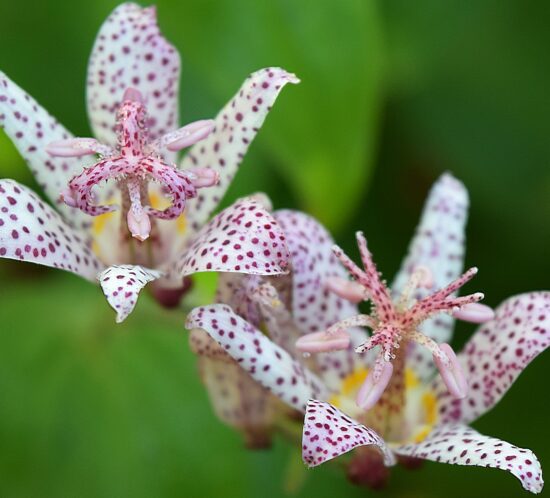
237, 399
235, 127
31, 129
314, 306
30, 230
329, 433
438, 245
496, 354
267, 363
243, 238
130, 52
461, 445
121, 285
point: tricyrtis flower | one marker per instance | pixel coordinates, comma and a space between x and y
161, 217
417, 415
284, 307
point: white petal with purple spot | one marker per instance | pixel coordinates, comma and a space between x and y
267, 363
235, 127
244, 238
314, 307
437, 245
237, 398
497, 353
130, 52
30, 230
121, 285
461, 445
329, 433
31, 129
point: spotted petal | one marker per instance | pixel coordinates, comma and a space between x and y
30, 230
130, 52
121, 285
439, 246
497, 353
235, 127
329, 433
32, 128
267, 363
237, 399
314, 307
243, 238
461, 445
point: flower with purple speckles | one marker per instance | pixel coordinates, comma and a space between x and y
283, 307
160, 231
418, 416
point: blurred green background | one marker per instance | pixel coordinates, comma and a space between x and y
393, 93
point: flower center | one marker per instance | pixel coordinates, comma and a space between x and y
395, 324
418, 413
133, 163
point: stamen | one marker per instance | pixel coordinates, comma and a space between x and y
188, 135
474, 313
346, 289
322, 342
353, 321
375, 384
78, 147
451, 371
203, 177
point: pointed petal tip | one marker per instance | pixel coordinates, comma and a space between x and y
263, 200
448, 180
280, 74
121, 285
329, 433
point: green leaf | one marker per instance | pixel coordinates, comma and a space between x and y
321, 135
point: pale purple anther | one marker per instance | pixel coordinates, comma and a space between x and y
77, 147
474, 313
375, 384
451, 371
321, 342
349, 290
188, 135
133, 163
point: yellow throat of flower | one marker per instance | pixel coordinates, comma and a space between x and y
419, 412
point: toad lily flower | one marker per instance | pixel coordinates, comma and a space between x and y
417, 415
282, 306
160, 231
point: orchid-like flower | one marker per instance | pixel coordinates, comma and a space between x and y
160, 231
283, 307
409, 413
